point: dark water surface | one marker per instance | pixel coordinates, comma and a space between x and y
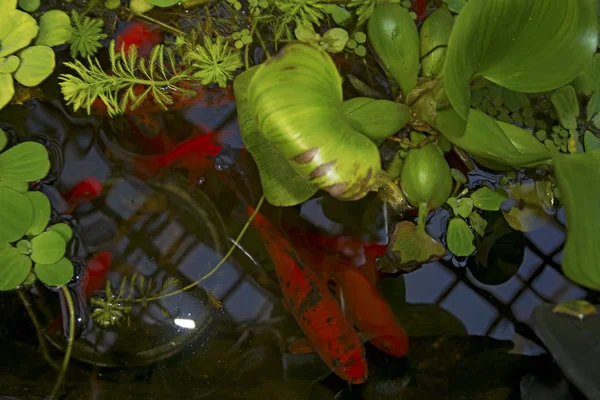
468, 340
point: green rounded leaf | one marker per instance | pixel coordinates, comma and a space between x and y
24, 247
55, 28
434, 36
3, 139
460, 238
37, 64
14, 268
17, 30
376, 119
47, 248
340, 15
163, 3
140, 6
461, 207
281, 184
7, 89
394, 38
9, 64
488, 199
41, 212
25, 162
57, 274
63, 230
16, 213
527, 46
566, 105
29, 5
306, 33
335, 40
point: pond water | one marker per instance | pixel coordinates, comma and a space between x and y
469, 340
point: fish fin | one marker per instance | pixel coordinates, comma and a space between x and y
301, 346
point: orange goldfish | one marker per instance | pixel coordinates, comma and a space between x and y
86, 190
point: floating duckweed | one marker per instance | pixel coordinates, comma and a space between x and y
549, 145
486, 104
528, 112
492, 111
504, 117
498, 101
542, 124
556, 128
563, 148
541, 135
564, 133
545, 104
557, 141
530, 123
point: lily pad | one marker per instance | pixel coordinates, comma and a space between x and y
578, 177
282, 185
16, 213
460, 238
3, 139
17, 30
63, 230
526, 46
566, 106
41, 212
7, 89
57, 274
47, 248
14, 268
410, 248
25, 162
37, 64
9, 64
488, 199
55, 28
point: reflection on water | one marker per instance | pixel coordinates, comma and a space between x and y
183, 346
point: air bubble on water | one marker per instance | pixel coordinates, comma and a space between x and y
201, 180
222, 164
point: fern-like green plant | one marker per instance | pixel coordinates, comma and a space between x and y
298, 12
86, 35
213, 61
130, 81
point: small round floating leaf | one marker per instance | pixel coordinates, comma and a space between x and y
112, 4
37, 64
460, 238
24, 246
566, 105
17, 30
163, 3
336, 39
41, 212
477, 223
360, 50
3, 139
461, 207
29, 5
306, 33
140, 6
47, 248
340, 15
7, 89
9, 64
56, 274
488, 199
63, 230
25, 162
14, 268
55, 28
16, 213
360, 37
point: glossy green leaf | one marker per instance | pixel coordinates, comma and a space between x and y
16, 213
29, 5
527, 46
41, 212
460, 238
376, 119
478, 223
47, 248
163, 3
282, 185
309, 128
63, 230
394, 38
17, 30
57, 274
434, 35
37, 64
590, 141
25, 162
9, 64
482, 136
334, 40
462, 206
55, 28
7, 89
458, 176
14, 268
578, 177
410, 247
488, 199
566, 105
3, 139
340, 15
586, 82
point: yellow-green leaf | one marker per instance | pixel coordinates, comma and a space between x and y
55, 28
47, 248
16, 213
37, 64
57, 274
25, 162
7, 89
41, 212
460, 238
17, 30
488, 199
14, 268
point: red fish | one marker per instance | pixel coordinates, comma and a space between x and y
138, 34
86, 190
365, 306
313, 306
94, 279
420, 8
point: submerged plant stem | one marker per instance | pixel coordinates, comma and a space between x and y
38, 331
70, 339
216, 268
157, 22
